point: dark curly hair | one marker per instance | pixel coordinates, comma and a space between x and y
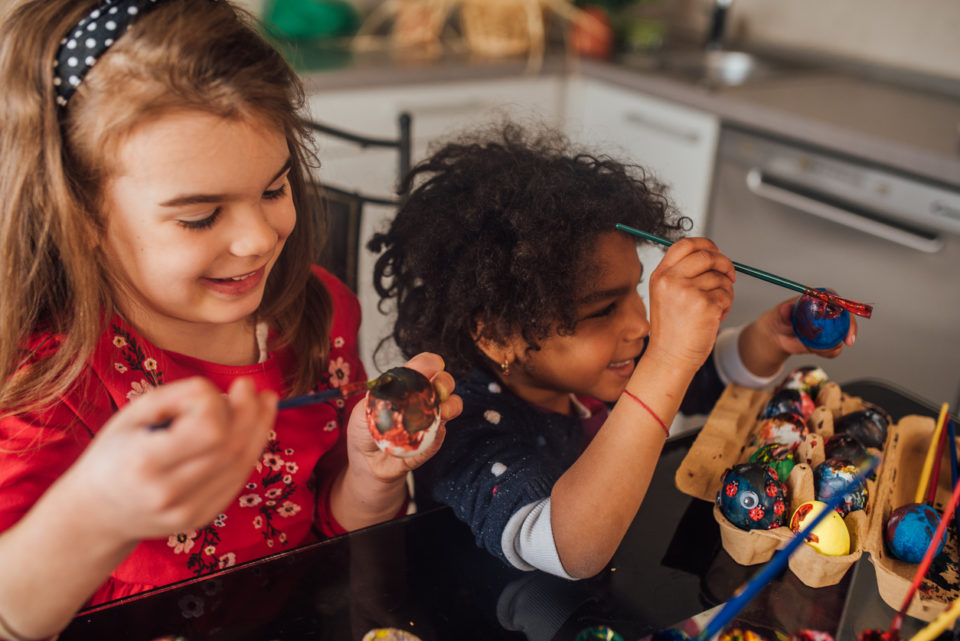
495, 236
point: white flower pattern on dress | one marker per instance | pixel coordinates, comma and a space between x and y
182, 542
139, 388
339, 372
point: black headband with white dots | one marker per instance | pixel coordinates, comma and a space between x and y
89, 39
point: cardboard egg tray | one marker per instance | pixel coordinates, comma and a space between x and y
728, 438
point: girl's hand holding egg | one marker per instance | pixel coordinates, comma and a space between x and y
402, 422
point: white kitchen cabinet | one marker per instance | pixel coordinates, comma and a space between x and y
674, 143
437, 111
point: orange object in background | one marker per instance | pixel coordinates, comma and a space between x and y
591, 33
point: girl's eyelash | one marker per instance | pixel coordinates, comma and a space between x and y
274, 194
606, 311
204, 223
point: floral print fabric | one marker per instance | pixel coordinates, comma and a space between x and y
282, 499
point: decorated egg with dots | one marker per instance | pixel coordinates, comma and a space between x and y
789, 401
752, 498
830, 537
808, 379
910, 530
819, 324
778, 457
403, 412
830, 477
787, 429
869, 426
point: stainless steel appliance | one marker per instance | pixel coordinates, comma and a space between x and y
867, 232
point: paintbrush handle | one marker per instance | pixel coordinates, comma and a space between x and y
740, 267
775, 565
348, 389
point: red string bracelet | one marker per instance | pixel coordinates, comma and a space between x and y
647, 407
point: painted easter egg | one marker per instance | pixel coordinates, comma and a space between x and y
843, 447
830, 477
598, 633
808, 378
403, 412
830, 537
389, 634
789, 400
869, 426
787, 429
669, 634
811, 635
739, 633
819, 324
778, 457
910, 530
751, 497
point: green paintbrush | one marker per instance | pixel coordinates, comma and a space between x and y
852, 306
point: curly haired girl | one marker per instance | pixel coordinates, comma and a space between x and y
505, 259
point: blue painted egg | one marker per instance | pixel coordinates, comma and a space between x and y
910, 530
787, 429
670, 635
869, 426
830, 477
778, 457
818, 324
752, 498
789, 400
808, 378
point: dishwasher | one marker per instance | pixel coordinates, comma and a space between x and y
868, 232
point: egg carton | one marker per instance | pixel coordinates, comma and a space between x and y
729, 438
904, 454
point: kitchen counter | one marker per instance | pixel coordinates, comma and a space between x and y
906, 129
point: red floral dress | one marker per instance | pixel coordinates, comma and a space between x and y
285, 500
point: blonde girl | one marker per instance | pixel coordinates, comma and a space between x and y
155, 250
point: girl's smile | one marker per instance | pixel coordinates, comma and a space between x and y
236, 285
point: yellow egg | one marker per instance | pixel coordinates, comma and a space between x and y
830, 536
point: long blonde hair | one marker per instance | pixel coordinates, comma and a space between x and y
184, 54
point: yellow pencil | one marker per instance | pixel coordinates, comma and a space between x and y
932, 452
938, 625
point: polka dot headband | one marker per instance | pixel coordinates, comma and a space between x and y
89, 39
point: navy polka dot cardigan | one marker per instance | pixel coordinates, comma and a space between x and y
503, 453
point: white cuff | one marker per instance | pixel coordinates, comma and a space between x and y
730, 367
527, 540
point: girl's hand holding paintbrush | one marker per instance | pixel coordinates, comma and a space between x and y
691, 292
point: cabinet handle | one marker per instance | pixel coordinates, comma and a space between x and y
761, 185
655, 124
